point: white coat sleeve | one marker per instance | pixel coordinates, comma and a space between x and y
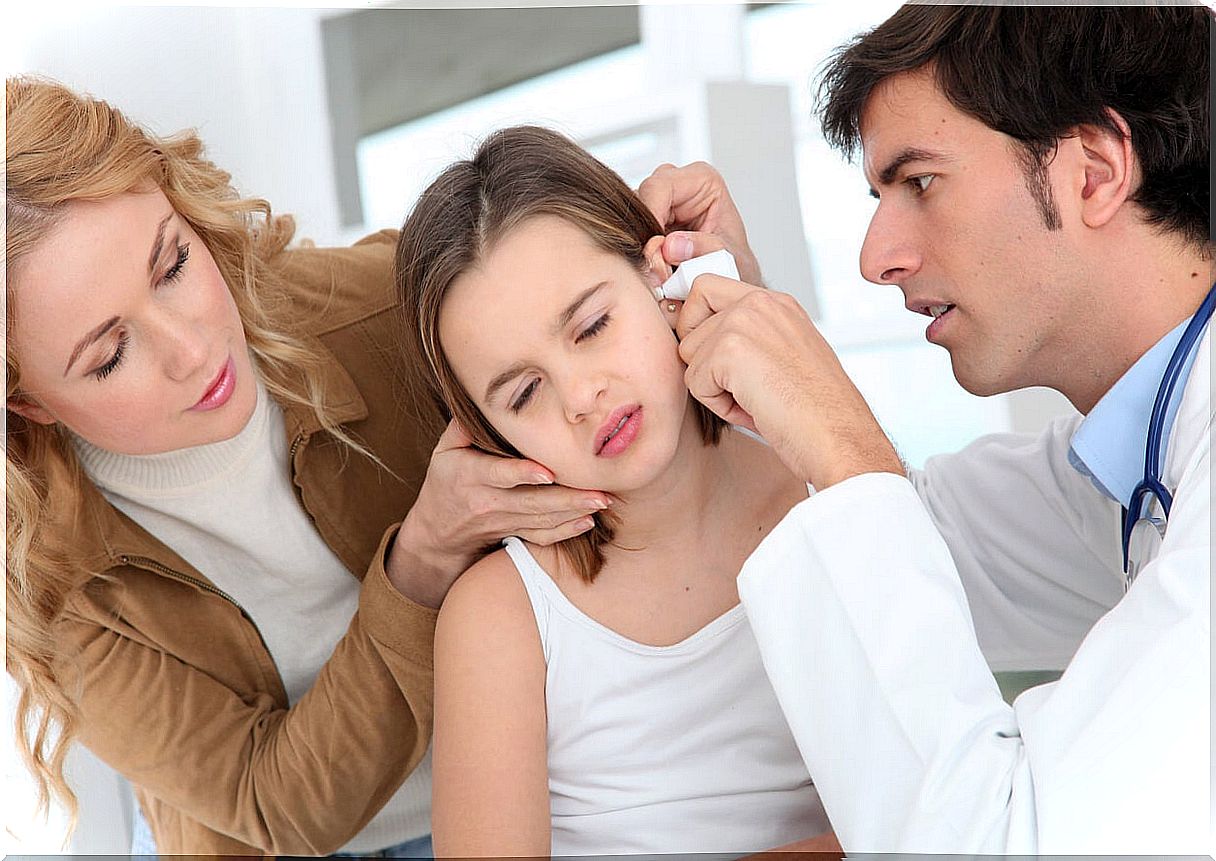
1035, 544
866, 634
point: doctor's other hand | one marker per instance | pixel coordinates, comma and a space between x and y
471, 500
696, 210
755, 358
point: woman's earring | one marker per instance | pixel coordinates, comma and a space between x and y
671, 306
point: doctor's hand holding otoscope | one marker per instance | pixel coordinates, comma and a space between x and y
754, 357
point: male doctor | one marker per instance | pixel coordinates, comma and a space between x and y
1042, 177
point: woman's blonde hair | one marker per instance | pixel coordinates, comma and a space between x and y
516, 174
65, 147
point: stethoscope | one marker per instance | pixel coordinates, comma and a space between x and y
1150, 528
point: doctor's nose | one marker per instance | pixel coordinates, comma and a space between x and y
888, 256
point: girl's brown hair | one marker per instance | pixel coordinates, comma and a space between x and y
64, 147
516, 174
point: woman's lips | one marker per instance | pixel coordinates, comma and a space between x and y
220, 390
619, 432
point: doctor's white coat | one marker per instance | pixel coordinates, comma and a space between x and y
878, 636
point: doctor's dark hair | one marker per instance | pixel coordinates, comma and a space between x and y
1035, 74
515, 175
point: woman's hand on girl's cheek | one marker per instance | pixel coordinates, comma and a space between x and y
468, 503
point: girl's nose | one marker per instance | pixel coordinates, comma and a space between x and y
581, 394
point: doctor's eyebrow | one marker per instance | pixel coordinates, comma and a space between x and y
887, 175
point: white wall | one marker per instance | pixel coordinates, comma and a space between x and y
250, 81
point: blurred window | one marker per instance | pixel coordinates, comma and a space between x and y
907, 381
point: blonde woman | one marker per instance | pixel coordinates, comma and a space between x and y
210, 449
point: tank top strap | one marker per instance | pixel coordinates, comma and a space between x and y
537, 584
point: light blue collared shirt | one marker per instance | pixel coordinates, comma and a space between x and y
1109, 445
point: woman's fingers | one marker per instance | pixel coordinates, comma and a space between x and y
548, 506
453, 437
509, 472
562, 532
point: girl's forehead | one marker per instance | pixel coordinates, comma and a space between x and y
542, 261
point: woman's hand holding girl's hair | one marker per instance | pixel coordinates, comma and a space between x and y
468, 503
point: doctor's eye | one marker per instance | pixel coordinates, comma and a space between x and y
594, 329
920, 184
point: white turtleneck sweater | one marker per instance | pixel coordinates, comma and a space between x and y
229, 509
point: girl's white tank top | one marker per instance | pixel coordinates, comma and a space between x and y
663, 749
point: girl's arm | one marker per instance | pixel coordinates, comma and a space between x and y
491, 781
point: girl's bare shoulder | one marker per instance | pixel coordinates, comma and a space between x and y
489, 596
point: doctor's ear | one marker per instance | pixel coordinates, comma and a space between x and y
29, 410
1111, 170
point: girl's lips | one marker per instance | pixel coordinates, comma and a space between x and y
221, 389
622, 438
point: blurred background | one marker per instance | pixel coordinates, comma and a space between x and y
342, 116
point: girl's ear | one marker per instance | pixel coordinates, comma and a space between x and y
660, 271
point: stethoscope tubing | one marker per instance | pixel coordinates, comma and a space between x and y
1151, 483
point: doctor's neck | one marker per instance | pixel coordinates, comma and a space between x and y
1131, 292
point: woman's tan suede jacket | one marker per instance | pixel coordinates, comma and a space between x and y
176, 688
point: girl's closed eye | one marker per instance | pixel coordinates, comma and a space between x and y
525, 396
591, 331
594, 329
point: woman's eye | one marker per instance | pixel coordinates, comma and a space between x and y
921, 183
593, 330
524, 396
175, 271
115, 360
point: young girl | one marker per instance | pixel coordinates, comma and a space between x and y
603, 695
208, 456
